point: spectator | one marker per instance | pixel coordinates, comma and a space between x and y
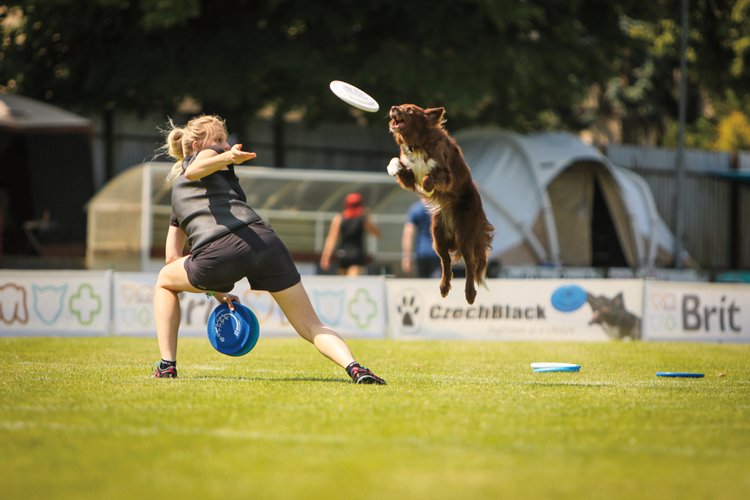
418, 228
347, 237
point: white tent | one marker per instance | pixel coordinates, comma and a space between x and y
22, 114
556, 201
46, 177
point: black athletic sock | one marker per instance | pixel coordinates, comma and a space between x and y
351, 366
166, 364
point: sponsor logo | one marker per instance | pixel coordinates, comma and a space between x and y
693, 313
494, 311
362, 308
329, 305
49, 302
13, 308
409, 305
413, 311
710, 317
85, 304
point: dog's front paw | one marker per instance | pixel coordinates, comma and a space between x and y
428, 186
394, 166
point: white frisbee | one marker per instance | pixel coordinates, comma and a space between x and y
353, 96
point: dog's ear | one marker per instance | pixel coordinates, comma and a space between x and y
435, 116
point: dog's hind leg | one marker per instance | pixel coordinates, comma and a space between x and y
443, 244
471, 275
467, 247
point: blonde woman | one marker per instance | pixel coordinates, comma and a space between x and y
228, 241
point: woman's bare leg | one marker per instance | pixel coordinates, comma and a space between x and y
296, 305
354, 271
172, 280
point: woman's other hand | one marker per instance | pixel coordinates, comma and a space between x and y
228, 298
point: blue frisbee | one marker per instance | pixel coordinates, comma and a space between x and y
568, 298
233, 333
680, 374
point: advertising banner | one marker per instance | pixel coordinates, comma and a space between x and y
708, 312
517, 310
354, 307
54, 302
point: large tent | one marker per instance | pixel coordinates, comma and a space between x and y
45, 177
556, 201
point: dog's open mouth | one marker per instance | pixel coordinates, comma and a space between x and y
396, 122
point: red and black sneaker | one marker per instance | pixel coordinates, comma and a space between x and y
168, 372
362, 375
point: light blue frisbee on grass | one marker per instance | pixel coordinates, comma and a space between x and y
546, 367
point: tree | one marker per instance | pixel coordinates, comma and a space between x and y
521, 65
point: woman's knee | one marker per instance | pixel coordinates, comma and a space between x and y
173, 277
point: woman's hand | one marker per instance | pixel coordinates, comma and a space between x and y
228, 298
325, 262
237, 156
209, 161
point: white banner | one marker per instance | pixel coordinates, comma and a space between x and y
78, 303
354, 307
516, 310
55, 302
710, 312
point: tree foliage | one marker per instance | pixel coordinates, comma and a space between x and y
522, 65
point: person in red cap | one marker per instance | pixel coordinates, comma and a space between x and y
347, 237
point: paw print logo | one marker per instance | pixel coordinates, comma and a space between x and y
409, 306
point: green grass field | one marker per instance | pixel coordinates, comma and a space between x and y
79, 418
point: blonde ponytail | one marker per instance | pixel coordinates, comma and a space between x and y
180, 139
175, 150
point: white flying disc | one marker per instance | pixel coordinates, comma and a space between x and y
551, 365
555, 367
352, 95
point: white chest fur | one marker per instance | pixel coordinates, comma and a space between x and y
418, 162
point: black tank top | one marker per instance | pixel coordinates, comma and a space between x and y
209, 207
352, 234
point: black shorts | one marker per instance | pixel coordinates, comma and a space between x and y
349, 257
254, 252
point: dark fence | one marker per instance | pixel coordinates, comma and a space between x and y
716, 203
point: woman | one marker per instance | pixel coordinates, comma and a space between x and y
228, 241
347, 236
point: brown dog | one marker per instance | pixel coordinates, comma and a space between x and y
432, 165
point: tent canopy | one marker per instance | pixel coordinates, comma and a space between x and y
556, 201
46, 177
21, 114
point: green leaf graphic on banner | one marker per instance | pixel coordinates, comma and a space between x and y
362, 308
85, 304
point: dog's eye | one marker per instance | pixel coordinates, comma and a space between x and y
410, 111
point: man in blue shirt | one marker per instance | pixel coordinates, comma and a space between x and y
416, 242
